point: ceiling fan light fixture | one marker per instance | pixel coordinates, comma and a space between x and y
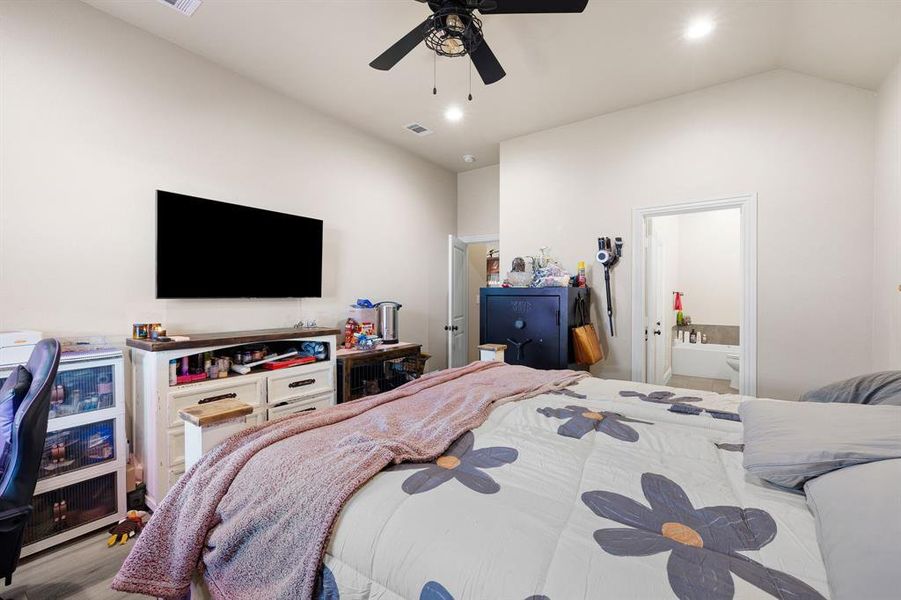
452, 33
453, 46
454, 23
453, 30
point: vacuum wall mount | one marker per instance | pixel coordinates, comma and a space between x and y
608, 255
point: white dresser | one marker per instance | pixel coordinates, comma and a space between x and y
158, 431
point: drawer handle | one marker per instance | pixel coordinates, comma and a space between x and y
301, 383
286, 404
220, 397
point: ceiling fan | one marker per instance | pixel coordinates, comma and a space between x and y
453, 30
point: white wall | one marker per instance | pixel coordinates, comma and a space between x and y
709, 266
887, 275
478, 202
96, 115
804, 145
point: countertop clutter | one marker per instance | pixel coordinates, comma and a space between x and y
371, 324
200, 340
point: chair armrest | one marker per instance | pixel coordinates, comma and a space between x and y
14, 518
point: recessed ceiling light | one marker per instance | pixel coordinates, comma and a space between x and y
453, 114
469, 158
699, 28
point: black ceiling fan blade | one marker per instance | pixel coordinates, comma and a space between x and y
509, 7
401, 48
486, 63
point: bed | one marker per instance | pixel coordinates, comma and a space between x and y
594, 489
561, 496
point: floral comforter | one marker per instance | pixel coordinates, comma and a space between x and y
607, 490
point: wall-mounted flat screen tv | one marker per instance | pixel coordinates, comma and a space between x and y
211, 249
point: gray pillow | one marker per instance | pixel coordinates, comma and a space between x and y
859, 529
875, 388
788, 443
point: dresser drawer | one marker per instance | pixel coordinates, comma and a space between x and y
247, 392
174, 475
176, 440
309, 381
304, 405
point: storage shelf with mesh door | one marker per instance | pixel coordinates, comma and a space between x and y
364, 373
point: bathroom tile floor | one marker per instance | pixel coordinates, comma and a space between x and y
705, 384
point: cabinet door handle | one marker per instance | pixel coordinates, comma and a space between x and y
280, 404
219, 397
312, 408
301, 383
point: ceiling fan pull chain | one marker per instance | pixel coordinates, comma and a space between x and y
435, 75
470, 77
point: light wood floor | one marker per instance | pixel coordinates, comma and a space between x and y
705, 384
79, 570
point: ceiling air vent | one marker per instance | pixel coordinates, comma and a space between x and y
185, 7
418, 129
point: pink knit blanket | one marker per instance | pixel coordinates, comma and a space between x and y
255, 513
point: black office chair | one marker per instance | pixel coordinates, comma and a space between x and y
26, 450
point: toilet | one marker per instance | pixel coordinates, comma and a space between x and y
733, 361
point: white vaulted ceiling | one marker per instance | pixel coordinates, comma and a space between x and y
560, 68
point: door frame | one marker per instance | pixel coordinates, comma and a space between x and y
466, 240
747, 204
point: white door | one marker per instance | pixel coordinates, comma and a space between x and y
659, 331
655, 305
456, 303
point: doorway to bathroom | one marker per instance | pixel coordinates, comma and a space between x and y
473, 263
694, 293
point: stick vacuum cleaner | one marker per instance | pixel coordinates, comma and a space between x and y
608, 255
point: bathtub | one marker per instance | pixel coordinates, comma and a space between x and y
702, 360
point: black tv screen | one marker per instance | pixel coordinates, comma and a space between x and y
210, 249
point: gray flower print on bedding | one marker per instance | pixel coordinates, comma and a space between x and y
660, 397
731, 447
435, 591
581, 420
568, 392
680, 405
459, 462
326, 586
704, 544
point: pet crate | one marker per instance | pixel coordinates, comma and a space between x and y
370, 372
78, 447
72, 506
84, 390
81, 481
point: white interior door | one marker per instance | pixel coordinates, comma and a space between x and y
456, 303
658, 331
655, 305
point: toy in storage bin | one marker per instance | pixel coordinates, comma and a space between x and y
363, 315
